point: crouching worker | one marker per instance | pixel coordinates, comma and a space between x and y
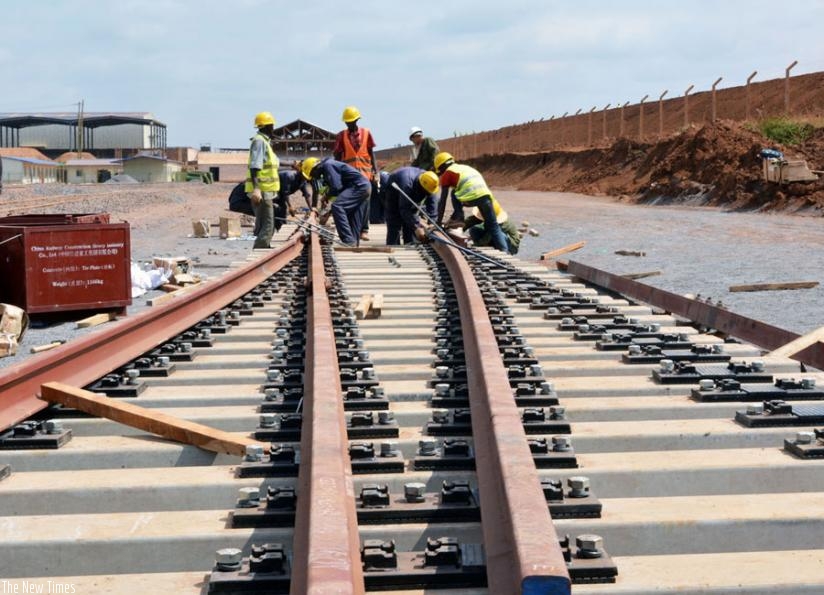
475, 227
468, 190
401, 215
348, 192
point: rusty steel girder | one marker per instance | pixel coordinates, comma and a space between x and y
86, 359
522, 548
326, 547
722, 320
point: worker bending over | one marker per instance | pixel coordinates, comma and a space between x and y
262, 181
346, 189
402, 216
468, 190
355, 146
291, 181
476, 228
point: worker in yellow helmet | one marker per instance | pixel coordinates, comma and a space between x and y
355, 147
476, 228
469, 189
401, 215
262, 181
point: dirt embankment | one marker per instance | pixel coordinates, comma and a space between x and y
715, 165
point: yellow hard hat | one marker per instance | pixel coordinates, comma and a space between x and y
350, 114
307, 166
429, 181
443, 158
264, 118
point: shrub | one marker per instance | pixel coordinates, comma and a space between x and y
785, 131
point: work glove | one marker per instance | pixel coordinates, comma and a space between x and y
377, 181
292, 211
256, 196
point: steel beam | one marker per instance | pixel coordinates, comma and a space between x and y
522, 549
86, 359
753, 331
326, 547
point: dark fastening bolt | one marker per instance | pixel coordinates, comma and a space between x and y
269, 557
553, 490
282, 453
455, 447
444, 551
374, 495
532, 414
361, 419
378, 554
281, 498
361, 450
456, 492
414, 491
561, 444
538, 445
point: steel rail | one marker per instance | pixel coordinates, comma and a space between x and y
751, 330
326, 546
523, 554
86, 359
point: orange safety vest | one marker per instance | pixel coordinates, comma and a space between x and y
359, 159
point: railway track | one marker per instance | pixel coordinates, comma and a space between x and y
479, 436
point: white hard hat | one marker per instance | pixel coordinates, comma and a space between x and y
415, 130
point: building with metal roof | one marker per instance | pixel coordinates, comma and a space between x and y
106, 134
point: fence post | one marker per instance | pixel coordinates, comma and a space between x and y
563, 128
714, 85
589, 126
687, 106
577, 112
661, 113
787, 87
549, 132
606, 107
641, 117
621, 130
749, 80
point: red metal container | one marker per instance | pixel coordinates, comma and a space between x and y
54, 219
56, 265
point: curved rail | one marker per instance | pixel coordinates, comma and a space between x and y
88, 358
326, 549
522, 549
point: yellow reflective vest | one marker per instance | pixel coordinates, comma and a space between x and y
471, 185
268, 179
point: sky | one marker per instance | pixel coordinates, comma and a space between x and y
206, 68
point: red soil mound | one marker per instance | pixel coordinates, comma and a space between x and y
714, 165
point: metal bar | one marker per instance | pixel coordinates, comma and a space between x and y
751, 330
326, 551
522, 550
88, 358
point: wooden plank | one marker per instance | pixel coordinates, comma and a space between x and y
150, 420
641, 275
170, 287
363, 306
564, 250
799, 344
774, 286
47, 346
377, 306
96, 319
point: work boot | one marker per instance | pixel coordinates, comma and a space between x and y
364, 236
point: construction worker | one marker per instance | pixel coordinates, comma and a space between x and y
348, 191
402, 216
424, 149
475, 227
468, 190
291, 181
262, 181
355, 147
